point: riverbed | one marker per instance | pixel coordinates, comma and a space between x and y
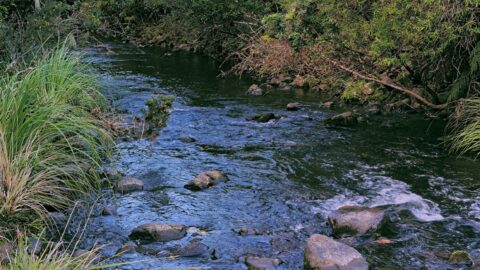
285, 176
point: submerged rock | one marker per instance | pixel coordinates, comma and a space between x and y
187, 139
293, 106
352, 220
254, 90
262, 118
343, 119
261, 263
158, 232
322, 252
206, 180
461, 257
109, 210
129, 184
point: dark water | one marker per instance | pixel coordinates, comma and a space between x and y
285, 176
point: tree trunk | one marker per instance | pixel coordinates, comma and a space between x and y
37, 4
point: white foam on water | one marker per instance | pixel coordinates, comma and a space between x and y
378, 191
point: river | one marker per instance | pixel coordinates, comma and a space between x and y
284, 176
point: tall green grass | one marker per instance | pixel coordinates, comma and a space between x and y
50, 141
465, 127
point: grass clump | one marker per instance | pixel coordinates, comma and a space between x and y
465, 125
50, 142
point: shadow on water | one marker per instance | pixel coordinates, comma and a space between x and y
285, 176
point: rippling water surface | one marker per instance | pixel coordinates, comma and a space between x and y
285, 176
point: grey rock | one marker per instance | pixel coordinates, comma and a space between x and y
206, 180
109, 210
343, 119
324, 253
293, 106
352, 220
254, 90
193, 249
261, 263
130, 184
35, 246
187, 139
159, 232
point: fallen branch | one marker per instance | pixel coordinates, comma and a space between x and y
389, 83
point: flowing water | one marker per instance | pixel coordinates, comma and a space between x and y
284, 176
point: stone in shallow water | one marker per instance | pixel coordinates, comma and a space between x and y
293, 106
352, 220
206, 180
262, 118
159, 232
261, 263
129, 184
324, 253
461, 257
193, 249
254, 90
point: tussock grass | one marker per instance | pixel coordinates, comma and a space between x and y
465, 125
53, 257
50, 141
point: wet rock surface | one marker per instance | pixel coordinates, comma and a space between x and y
351, 220
254, 90
193, 249
293, 106
158, 232
324, 253
206, 180
263, 118
129, 184
261, 263
343, 119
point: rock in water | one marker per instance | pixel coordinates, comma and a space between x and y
259, 263
193, 249
293, 106
254, 90
129, 184
262, 118
343, 119
353, 220
461, 257
324, 253
159, 232
206, 180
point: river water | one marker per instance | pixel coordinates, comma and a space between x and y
284, 176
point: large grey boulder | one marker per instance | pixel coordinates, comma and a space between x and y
324, 253
206, 180
159, 232
129, 184
354, 220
